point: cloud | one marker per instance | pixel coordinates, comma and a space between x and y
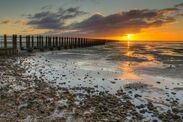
97, 25
46, 7
6, 21
21, 22
11, 21
179, 5
95, 1
54, 20
124, 22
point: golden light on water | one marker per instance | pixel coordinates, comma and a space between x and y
127, 67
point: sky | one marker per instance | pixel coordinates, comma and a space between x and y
160, 20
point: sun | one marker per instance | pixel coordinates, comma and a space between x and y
130, 36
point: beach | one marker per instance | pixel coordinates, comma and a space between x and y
119, 81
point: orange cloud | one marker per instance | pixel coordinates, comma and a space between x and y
6, 21
21, 22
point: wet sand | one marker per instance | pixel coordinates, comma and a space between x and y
115, 82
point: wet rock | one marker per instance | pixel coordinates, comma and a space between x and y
113, 82
137, 95
140, 106
130, 92
175, 110
158, 82
173, 93
22, 106
143, 111
150, 106
87, 113
155, 120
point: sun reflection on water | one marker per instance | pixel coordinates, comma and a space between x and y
131, 68
127, 67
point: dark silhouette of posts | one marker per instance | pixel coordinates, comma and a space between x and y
48, 42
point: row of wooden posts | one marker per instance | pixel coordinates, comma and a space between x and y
42, 43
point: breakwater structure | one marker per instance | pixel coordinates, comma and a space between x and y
12, 45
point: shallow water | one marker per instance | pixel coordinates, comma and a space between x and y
153, 70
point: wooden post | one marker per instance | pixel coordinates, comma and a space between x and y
49, 42
59, 42
56, 42
75, 42
65, 43
39, 42
79, 42
14, 41
20, 42
62, 42
37, 38
46, 42
5, 41
53, 41
28, 43
71, 43
14, 44
85, 42
42, 41
76, 39
68, 42
32, 42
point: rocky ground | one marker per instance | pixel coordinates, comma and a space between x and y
30, 98
25, 98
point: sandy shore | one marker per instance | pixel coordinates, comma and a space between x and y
78, 85
26, 98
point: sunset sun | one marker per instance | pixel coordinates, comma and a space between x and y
130, 36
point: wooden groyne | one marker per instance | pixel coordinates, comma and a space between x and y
11, 45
